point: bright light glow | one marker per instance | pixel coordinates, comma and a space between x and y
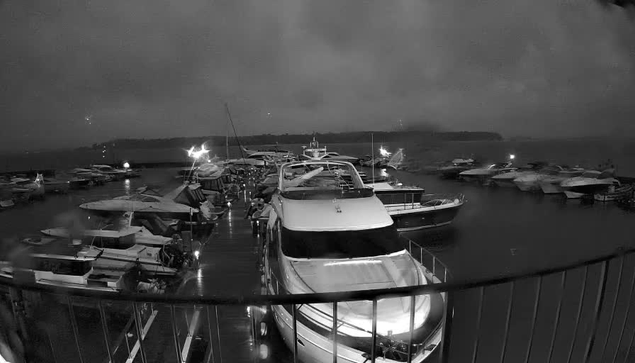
383, 152
126, 165
360, 262
264, 351
512, 156
197, 253
229, 204
196, 154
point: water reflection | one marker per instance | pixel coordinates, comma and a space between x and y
126, 184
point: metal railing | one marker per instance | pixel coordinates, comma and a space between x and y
580, 312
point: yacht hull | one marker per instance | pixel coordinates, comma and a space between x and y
422, 218
505, 183
314, 347
551, 188
527, 186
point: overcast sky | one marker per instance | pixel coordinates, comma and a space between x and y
75, 72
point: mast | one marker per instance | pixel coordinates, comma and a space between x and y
372, 155
227, 134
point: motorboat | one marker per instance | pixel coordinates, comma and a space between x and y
63, 265
412, 209
455, 167
484, 174
614, 193
590, 182
550, 184
327, 234
507, 179
316, 152
125, 237
275, 151
91, 175
530, 182
143, 204
27, 189
115, 174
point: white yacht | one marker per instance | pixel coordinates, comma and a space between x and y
590, 182
550, 183
484, 174
508, 179
315, 152
531, 181
330, 234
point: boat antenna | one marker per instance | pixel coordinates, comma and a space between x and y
372, 156
229, 116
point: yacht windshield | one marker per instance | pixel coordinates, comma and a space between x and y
344, 244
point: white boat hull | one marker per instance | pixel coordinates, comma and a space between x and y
551, 188
505, 183
573, 195
315, 348
527, 186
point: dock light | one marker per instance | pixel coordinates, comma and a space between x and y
512, 156
229, 204
196, 154
197, 253
126, 165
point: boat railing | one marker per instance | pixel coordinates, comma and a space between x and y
440, 272
577, 312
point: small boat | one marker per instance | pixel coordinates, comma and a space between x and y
102, 237
455, 167
115, 174
614, 193
314, 152
56, 264
325, 234
412, 210
550, 183
589, 183
483, 175
91, 175
154, 261
508, 179
145, 205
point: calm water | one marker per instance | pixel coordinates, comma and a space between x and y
498, 231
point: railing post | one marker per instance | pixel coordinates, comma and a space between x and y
612, 318
448, 316
558, 311
434, 265
534, 316
139, 326
71, 313
412, 327
579, 313
628, 310
175, 336
220, 350
507, 320
374, 333
481, 293
104, 326
295, 333
210, 356
335, 332
597, 309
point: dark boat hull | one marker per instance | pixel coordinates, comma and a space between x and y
425, 218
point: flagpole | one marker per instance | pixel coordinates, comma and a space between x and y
372, 157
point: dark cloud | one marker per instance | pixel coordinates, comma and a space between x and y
162, 68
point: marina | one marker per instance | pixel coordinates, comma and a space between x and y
232, 320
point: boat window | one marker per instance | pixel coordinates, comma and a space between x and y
57, 266
590, 174
340, 244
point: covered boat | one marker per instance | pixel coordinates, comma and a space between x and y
328, 234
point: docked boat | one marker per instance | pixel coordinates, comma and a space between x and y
115, 174
325, 234
550, 184
91, 175
107, 238
142, 205
412, 210
396, 161
532, 181
314, 152
507, 179
27, 189
614, 193
455, 167
483, 175
589, 183
69, 266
